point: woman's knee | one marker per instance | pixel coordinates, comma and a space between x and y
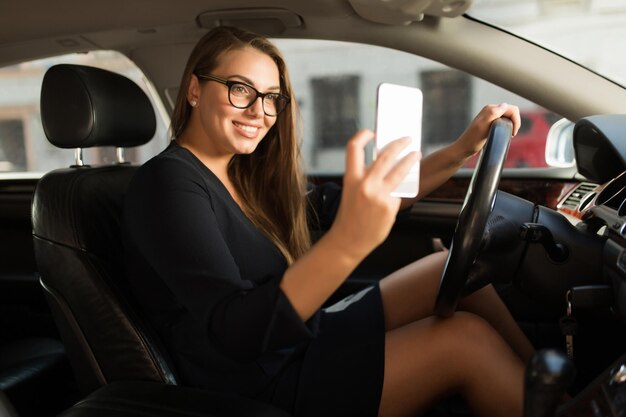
461, 336
451, 348
470, 335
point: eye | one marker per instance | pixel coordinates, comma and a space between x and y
273, 97
241, 90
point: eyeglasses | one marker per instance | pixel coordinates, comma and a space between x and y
243, 96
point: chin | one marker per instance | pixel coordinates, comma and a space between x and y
246, 150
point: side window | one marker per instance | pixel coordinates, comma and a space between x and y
336, 103
23, 144
447, 93
335, 86
336, 111
12, 149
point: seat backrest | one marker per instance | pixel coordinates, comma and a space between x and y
6, 408
76, 218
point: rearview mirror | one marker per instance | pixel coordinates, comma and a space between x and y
560, 145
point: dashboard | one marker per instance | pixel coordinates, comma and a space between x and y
599, 206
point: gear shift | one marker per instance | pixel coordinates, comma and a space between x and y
548, 375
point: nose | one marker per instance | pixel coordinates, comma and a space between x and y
256, 109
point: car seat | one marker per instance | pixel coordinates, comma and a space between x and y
34, 375
76, 216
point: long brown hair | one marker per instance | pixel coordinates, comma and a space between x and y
269, 181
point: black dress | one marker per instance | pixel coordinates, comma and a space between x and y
208, 280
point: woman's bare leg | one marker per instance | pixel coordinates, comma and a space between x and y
428, 359
409, 295
487, 304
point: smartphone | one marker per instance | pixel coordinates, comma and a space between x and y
399, 114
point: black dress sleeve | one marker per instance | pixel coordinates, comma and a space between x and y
171, 220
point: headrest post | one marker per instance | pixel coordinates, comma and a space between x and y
78, 157
119, 152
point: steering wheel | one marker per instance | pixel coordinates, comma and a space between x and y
478, 204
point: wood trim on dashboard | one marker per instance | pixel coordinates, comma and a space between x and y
545, 192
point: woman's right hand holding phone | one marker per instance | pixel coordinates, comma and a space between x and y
367, 211
366, 214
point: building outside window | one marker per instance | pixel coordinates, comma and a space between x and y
447, 113
336, 104
12, 149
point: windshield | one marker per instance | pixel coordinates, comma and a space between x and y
589, 32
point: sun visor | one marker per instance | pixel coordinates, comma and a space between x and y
270, 22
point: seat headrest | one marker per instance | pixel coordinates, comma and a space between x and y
82, 107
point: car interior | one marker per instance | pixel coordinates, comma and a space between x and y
550, 236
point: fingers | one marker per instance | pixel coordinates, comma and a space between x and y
512, 112
387, 157
386, 171
385, 160
507, 110
400, 170
390, 170
355, 153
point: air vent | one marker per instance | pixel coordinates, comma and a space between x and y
613, 193
577, 195
616, 201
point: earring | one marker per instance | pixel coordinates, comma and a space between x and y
193, 103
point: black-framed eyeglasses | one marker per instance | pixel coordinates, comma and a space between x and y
242, 96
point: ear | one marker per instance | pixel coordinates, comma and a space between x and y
193, 91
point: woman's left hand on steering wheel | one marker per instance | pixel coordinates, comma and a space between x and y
474, 137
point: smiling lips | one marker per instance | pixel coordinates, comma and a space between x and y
248, 130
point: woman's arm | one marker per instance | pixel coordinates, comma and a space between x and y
367, 212
438, 167
364, 219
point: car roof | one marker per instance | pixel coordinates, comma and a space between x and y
159, 34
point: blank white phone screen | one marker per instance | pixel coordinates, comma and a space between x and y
399, 114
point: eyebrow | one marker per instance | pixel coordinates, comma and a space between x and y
249, 81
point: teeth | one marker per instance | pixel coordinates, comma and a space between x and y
250, 129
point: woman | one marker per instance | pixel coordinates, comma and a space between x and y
219, 256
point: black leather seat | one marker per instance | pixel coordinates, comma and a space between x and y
76, 215
6, 408
141, 399
34, 376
